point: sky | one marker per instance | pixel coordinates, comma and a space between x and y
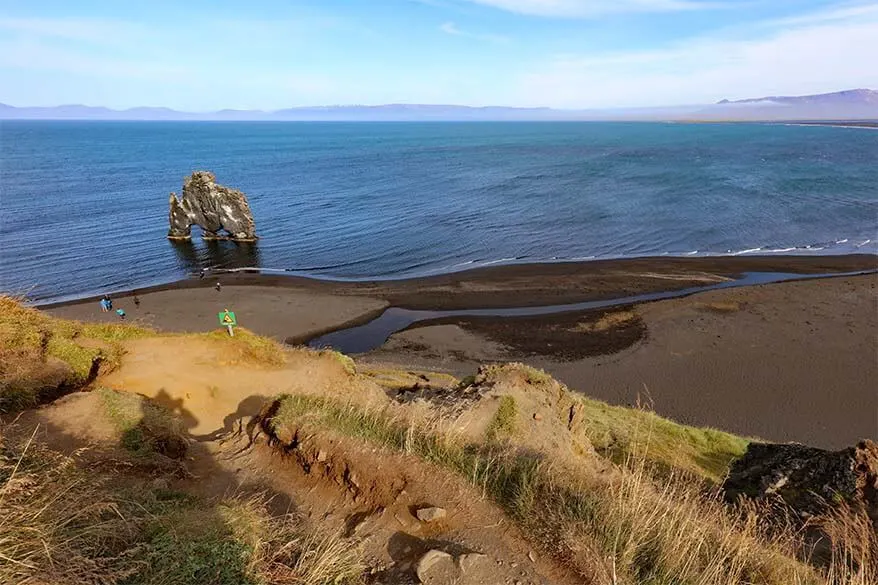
206, 55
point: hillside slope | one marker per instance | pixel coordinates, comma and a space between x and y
209, 459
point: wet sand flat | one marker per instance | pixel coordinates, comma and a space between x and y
794, 361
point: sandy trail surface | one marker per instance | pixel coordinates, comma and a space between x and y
215, 392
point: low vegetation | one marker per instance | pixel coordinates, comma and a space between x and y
621, 433
503, 423
40, 354
62, 525
247, 347
146, 428
637, 526
653, 516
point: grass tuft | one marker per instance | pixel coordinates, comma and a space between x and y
145, 427
503, 423
346, 362
249, 348
619, 433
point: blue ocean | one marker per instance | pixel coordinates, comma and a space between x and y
83, 205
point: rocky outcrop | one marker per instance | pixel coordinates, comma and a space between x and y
808, 480
212, 207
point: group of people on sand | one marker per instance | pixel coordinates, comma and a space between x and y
107, 305
107, 302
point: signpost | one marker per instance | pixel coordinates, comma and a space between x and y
227, 319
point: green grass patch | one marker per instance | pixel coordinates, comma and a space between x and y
620, 433
503, 423
188, 546
29, 339
145, 427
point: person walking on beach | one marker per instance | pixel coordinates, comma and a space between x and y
109, 303
121, 313
136, 301
218, 286
105, 305
201, 274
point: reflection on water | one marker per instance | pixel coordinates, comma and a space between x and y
212, 254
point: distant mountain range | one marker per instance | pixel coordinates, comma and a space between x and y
854, 104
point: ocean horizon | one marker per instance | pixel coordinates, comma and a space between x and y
84, 203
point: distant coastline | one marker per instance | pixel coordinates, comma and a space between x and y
870, 124
847, 105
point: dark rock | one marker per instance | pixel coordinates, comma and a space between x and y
213, 208
808, 480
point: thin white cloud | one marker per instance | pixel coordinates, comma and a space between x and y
97, 31
594, 8
836, 13
817, 55
119, 63
452, 29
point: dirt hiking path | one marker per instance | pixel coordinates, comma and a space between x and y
372, 500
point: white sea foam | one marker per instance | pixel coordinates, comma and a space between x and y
498, 261
844, 241
863, 243
748, 251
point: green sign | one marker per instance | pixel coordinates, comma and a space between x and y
227, 318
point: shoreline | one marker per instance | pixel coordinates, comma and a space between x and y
523, 285
788, 361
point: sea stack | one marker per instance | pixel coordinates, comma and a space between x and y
213, 207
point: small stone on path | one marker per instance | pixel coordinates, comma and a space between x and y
430, 514
437, 567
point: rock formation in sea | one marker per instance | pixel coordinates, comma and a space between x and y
213, 207
808, 480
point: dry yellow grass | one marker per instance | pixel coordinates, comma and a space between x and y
606, 322
63, 525
248, 348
